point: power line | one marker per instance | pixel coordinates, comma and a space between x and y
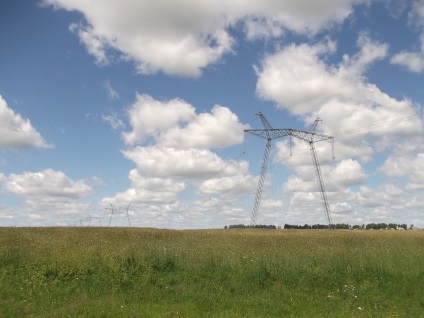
375, 125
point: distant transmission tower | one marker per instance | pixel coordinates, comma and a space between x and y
269, 133
117, 210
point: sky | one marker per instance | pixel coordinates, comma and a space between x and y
119, 113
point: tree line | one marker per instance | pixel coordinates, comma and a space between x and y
338, 226
257, 226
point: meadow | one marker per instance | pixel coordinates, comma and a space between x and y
135, 272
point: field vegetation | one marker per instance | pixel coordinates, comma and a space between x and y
130, 272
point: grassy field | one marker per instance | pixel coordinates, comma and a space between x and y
129, 272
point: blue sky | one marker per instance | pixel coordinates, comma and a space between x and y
143, 104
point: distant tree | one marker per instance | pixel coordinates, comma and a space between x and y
344, 226
341, 226
257, 226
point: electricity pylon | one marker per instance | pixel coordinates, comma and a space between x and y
114, 210
269, 133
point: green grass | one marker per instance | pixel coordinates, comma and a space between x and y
128, 272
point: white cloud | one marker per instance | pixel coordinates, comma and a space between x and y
184, 36
49, 207
406, 166
240, 184
114, 121
338, 173
170, 145
95, 43
17, 132
396, 8
145, 122
385, 195
414, 61
385, 203
7, 213
298, 78
348, 173
182, 163
147, 190
396, 167
48, 194
342, 176
98, 181
341, 207
181, 37
257, 28
304, 16
179, 126
219, 129
46, 183
111, 92
297, 184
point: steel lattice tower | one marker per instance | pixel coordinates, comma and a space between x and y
269, 133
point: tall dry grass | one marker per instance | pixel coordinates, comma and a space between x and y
214, 273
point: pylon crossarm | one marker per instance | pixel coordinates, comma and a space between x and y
309, 136
275, 133
279, 133
269, 133
261, 133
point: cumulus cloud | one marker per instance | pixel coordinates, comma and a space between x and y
148, 190
411, 167
94, 43
348, 173
261, 28
181, 37
185, 36
218, 129
46, 183
17, 132
182, 163
385, 195
48, 194
299, 78
413, 60
240, 184
171, 144
343, 175
179, 126
145, 122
